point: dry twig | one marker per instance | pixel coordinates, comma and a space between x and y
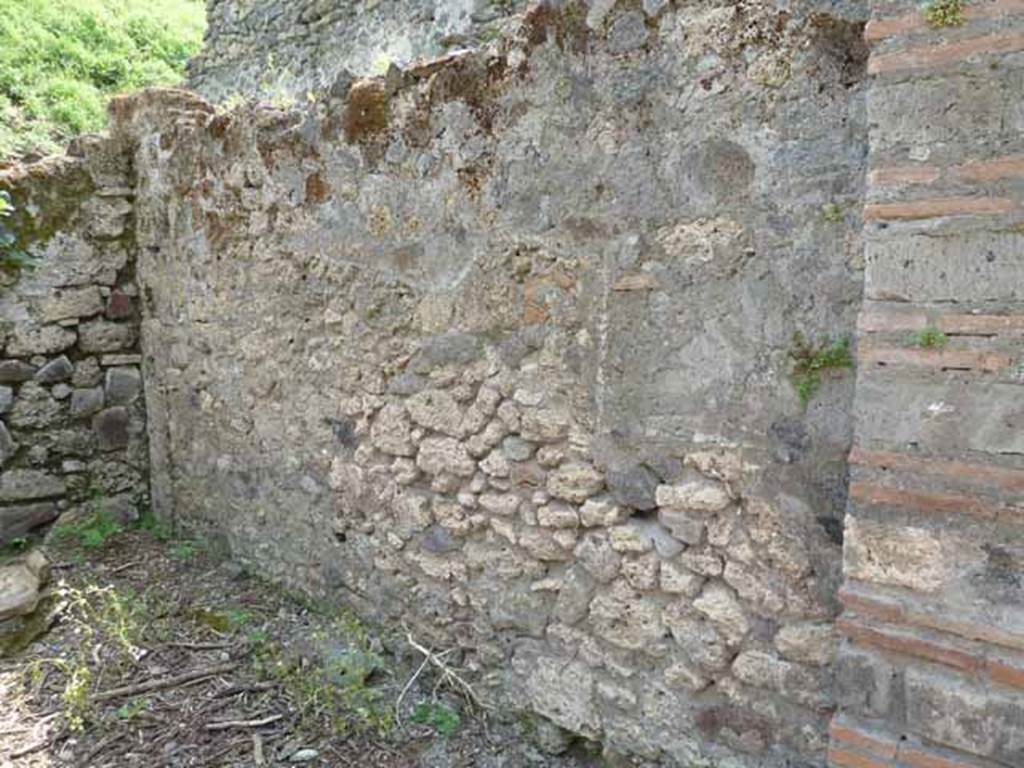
166, 682
222, 726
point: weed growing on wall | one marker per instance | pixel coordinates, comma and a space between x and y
812, 361
945, 13
930, 338
12, 258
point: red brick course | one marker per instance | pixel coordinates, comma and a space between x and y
931, 209
1004, 478
935, 503
937, 54
958, 359
892, 612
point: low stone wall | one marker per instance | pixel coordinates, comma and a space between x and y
73, 430
499, 348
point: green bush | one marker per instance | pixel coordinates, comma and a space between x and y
61, 60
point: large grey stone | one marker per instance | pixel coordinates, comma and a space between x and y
40, 340
18, 519
58, 369
105, 336
28, 484
111, 427
633, 486
122, 386
15, 371
20, 584
8, 446
86, 402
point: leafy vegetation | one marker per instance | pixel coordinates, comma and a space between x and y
61, 60
832, 213
930, 338
444, 720
945, 13
810, 361
12, 259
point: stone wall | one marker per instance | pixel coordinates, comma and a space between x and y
72, 435
931, 669
283, 49
498, 347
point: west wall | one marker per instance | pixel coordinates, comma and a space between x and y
72, 420
498, 347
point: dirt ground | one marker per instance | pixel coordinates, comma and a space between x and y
160, 653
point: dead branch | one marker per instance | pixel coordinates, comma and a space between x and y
166, 682
225, 725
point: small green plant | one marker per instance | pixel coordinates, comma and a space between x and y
75, 697
832, 213
930, 338
185, 550
945, 13
12, 259
90, 532
158, 529
444, 720
810, 361
335, 688
132, 709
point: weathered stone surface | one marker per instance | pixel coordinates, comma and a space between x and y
111, 428
86, 402
517, 449
601, 512
87, 373
39, 340
695, 496
68, 303
29, 484
626, 618
20, 585
444, 454
719, 604
18, 519
686, 526
562, 690
34, 408
15, 371
893, 554
436, 410
122, 386
957, 712
8, 445
105, 336
6, 399
633, 486
598, 557
575, 482
809, 643
696, 637
391, 431
677, 580
686, 676
58, 369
